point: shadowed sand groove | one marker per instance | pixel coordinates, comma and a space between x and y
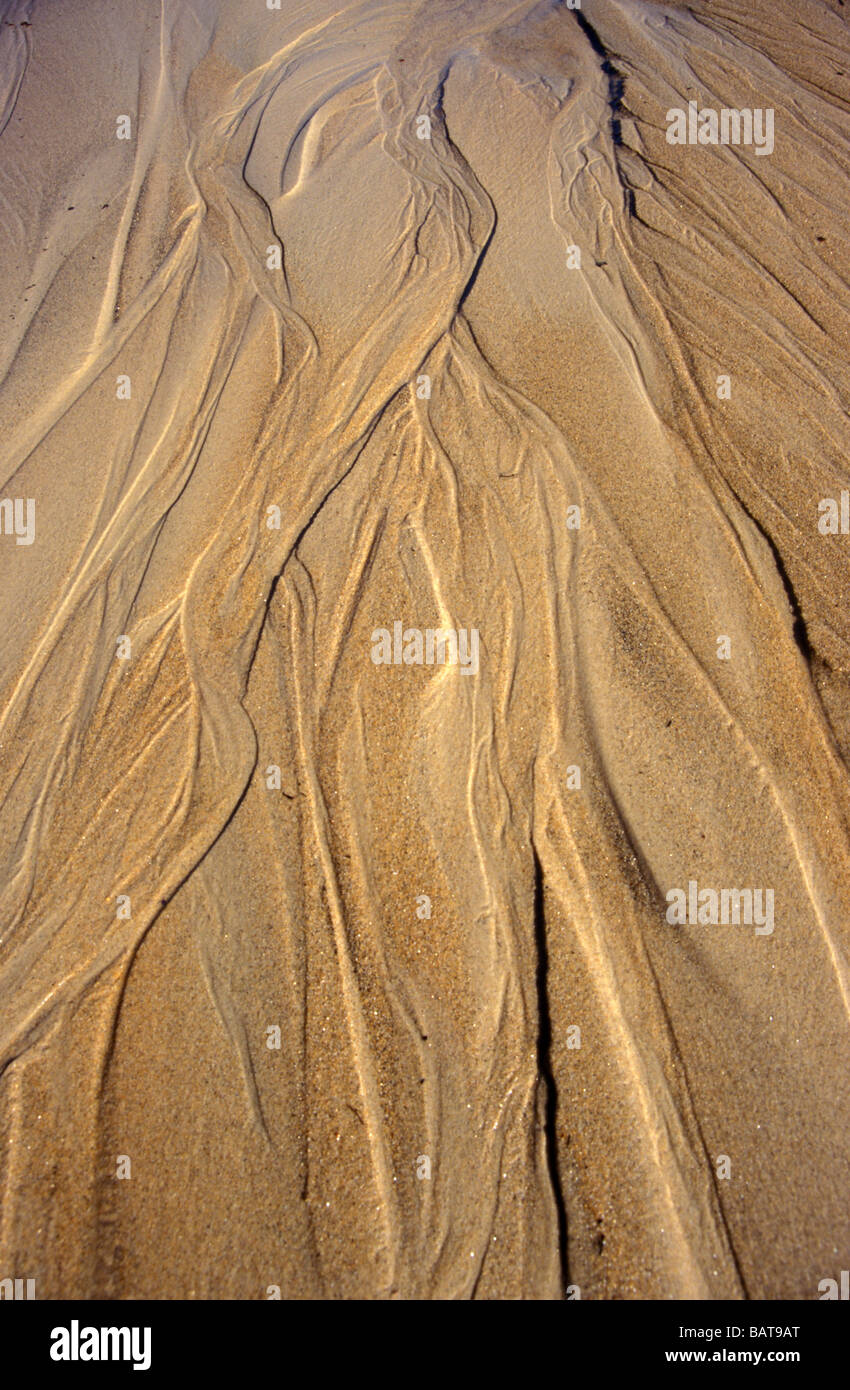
224, 826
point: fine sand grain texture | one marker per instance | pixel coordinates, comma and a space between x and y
326, 967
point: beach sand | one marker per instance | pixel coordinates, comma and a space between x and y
342, 978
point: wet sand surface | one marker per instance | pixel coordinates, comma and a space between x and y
325, 328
